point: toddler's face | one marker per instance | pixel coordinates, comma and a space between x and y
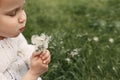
12, 18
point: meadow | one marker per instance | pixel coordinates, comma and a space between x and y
85, 43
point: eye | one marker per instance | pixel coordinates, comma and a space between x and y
13, 13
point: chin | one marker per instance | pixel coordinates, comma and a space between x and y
17, 35
13, 36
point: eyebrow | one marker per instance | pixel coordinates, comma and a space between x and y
9, 11
15, 8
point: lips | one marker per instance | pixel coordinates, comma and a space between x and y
22, 29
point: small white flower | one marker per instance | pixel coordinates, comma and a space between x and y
68, 60
114, 68
117, 24
40, 42
102, 23
79, 35
89, 39
107, 46
74, 52
98, 67
96, 39
55, 66
111, 40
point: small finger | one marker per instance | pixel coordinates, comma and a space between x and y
43, 53
47, 60
46, 55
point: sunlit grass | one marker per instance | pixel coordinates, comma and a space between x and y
85, 37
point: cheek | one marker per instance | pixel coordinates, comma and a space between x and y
8, 22
8, 27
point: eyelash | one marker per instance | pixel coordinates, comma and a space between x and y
13, 13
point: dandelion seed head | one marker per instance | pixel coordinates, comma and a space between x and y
114, 68
107, 46
68, 60
117, 24
87, 15
102, 23
89, 39
79, 35
111, 40
98, 67
40, 42
61, 42
96, 39
55, 66
74, 52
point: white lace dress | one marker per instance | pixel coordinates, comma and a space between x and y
14, 58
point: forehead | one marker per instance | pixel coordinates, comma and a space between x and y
11, 3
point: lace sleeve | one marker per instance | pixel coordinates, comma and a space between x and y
25, 50
2, 77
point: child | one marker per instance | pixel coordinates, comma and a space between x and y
15, 53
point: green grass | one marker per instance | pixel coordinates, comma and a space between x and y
85, 37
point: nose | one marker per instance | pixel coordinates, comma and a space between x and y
22, 17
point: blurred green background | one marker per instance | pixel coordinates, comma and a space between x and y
85, 35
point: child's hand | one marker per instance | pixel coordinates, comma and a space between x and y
45, 56
37, 67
